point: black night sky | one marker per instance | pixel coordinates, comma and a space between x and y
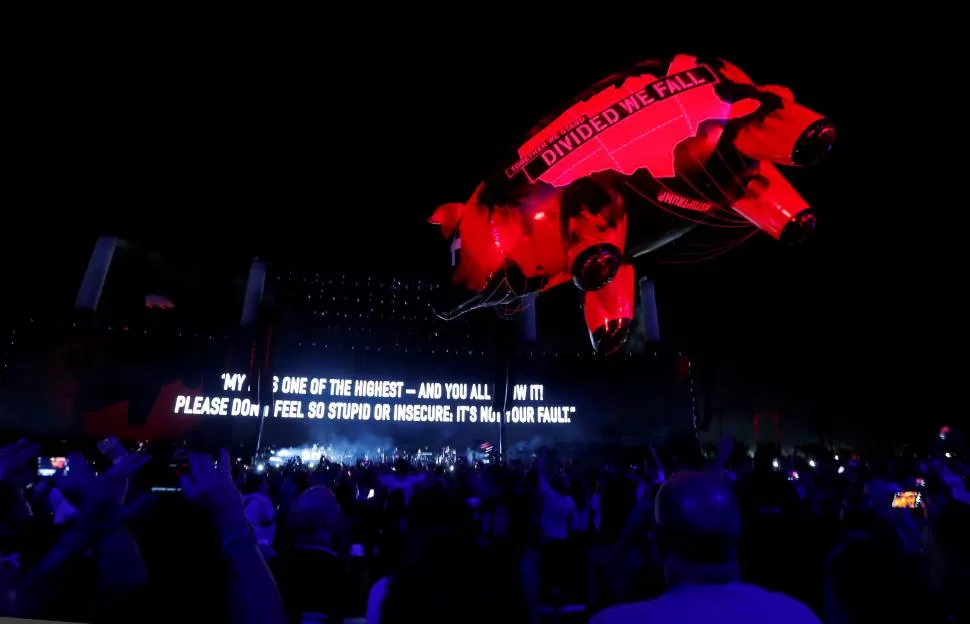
212, 148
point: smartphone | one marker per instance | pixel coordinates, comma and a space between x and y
165, 476
49, 466
170, 480
907, 500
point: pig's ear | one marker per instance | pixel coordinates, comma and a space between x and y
447, 216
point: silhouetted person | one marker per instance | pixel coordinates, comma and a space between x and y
699, 522
311, 571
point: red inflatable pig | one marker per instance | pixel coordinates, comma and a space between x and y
688, 136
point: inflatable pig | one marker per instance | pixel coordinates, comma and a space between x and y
690, 138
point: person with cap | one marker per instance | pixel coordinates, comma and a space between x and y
699, 523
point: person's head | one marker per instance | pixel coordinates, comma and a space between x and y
868, 570
255, 483
394, 505
558, 483
577, 489
294, 482
401, 467
764, 456
699, 525
482, 591
434, 508
314, 518
366, 479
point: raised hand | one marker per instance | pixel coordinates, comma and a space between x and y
85, 489
253, 596
112, 449
211, 486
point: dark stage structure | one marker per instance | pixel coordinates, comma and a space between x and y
273, 354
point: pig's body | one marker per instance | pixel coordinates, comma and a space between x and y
674, 144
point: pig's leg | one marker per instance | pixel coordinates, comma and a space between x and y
609, 311
772, 204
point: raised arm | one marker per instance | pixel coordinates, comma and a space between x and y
253, 595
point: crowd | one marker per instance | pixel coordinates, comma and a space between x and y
731, 538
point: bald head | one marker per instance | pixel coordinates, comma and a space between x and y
314, 513
698, 518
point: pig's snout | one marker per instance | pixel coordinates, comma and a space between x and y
596, 266
814, 144
790, 135
799, 228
